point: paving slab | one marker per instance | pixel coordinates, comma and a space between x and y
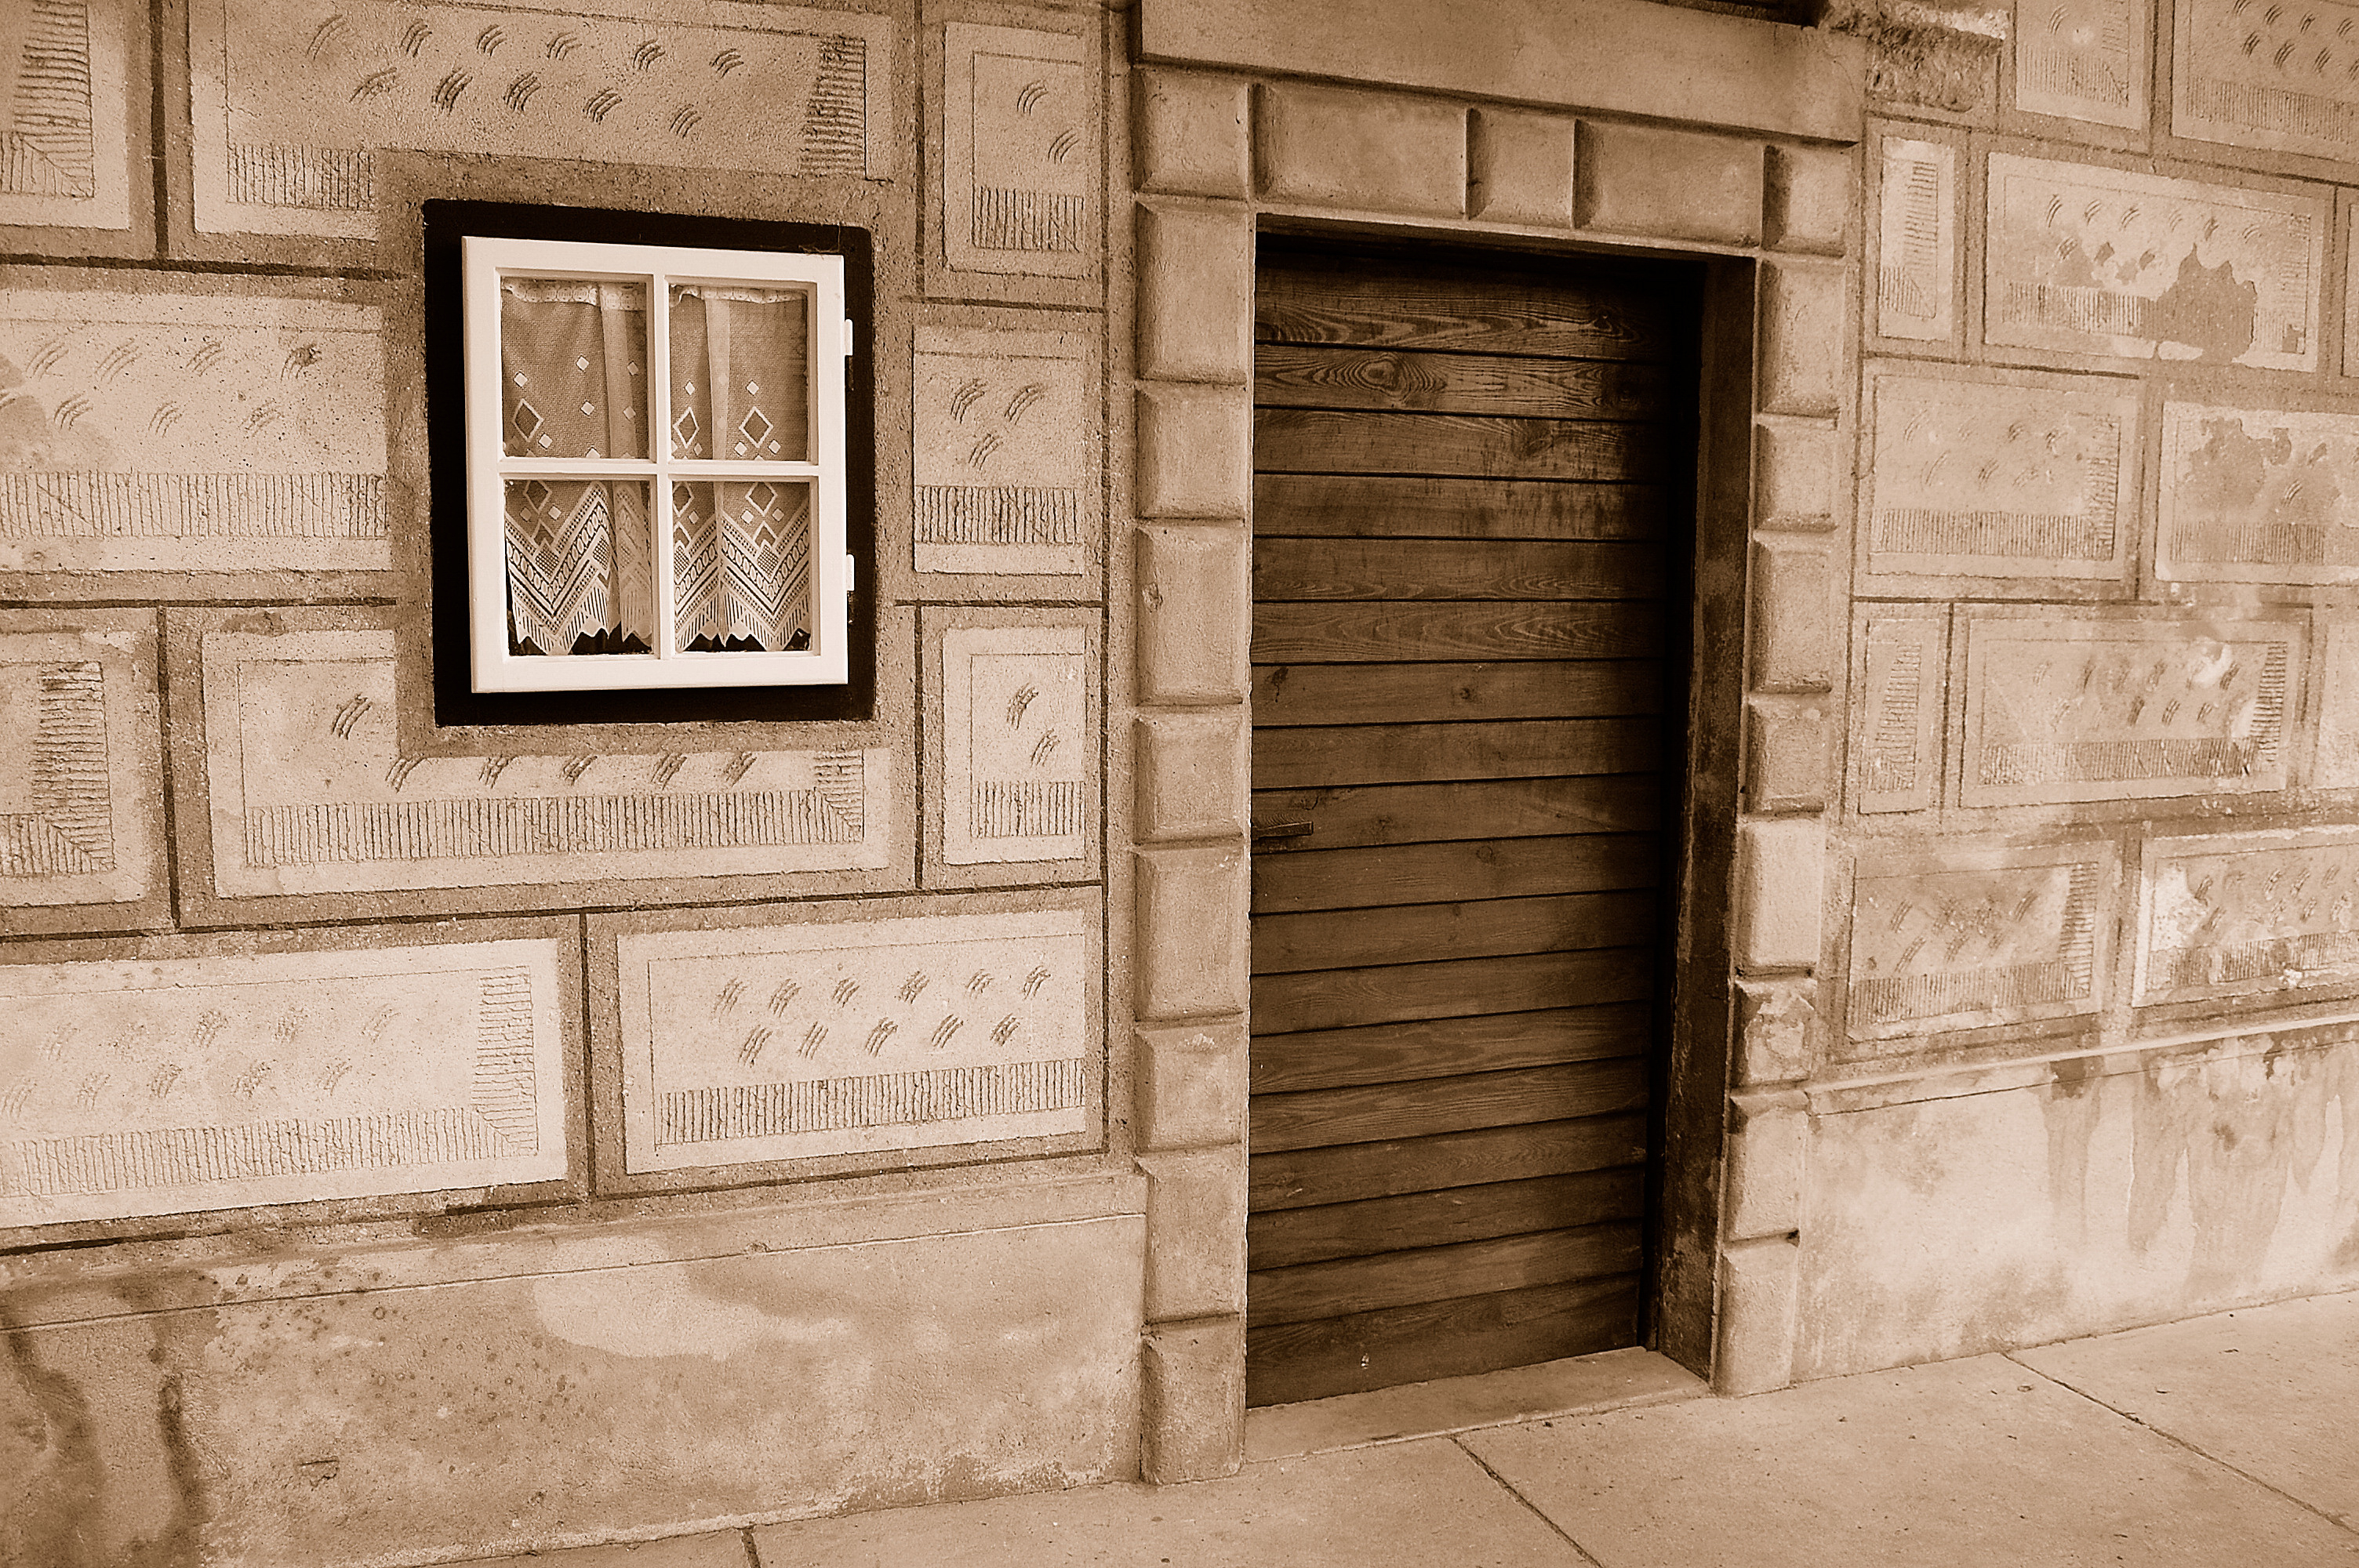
1973, 1461
2273, 1390
1611, 1379
1405, 1505
726, 1549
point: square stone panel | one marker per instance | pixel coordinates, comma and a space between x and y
65, 151
2101, 261
189, 432
1977, 938
1004, 452
2276, 78
144, 1085
2240, 913
2257, 495
1019, 153
1019, 744
1916, 241
2065, 709
292, 98
857, 1033
2022, 476
2083, 59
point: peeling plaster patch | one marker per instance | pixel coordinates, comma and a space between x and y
2258, 496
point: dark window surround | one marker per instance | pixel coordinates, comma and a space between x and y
446, 223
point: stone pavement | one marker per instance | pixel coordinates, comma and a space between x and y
2225, 1440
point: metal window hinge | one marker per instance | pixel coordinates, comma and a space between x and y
849, 335
1261, 831
850, 574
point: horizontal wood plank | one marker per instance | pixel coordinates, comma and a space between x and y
1333, 758
1411, 306
1474, 446
1454, 873
1398, 570
1438, 1273
1285, 1238
1325, 1356
1368, 1113
1329, 376
1403, 634
1454, 988
1378, 507
1341, 1174
1354, 939
1289, 695
1446, 1047
1360, 814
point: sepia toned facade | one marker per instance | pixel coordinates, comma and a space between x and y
425, 1135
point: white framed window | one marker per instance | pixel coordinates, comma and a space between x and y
656, 478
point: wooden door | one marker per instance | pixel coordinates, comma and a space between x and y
1463, 665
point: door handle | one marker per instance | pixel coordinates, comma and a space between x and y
1282, 830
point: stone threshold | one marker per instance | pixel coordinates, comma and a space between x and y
1578, 1385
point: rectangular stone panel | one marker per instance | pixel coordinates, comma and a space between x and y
1897, 746
1019, 153
2245, 912
309, 791
293, 98
856, 1035
153, 1086
1004, 452
81, 819
1916, 241
189, 432
1019, 744
2064, 709
2278, 78
1977, 938
2257, 495
2083, 59
2020, 477
2102, 261
2334, 762
65, 75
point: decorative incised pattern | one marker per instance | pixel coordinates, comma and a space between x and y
1900, 733
1917, 244
2083, 60
161, 1086
1001, 452
47, 147
2245, 913
1021, 151
2258, 496
63, 824
1016, 719
2279, 76
2101, 261
790, 1042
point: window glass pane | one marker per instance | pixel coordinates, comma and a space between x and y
741, 564
573, 360
581, 567
740, 372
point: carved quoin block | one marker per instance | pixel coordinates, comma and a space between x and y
2276, 79
857, 1036
64, 146
1019, 744
2257, 495
1896, 749
1019, 153
2101, 261
1004, 452
2024, 476
309, 793
222, 1079
2083, 59
292, 98
1916, 241
2063, 709
80, 814
1977, 938
2243, 913
189, 432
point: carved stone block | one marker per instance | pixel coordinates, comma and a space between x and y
1897, 748
2022, 476
1188, 134
292, 98
1976, 938
2083, 59
1195, 290
190, 433
65, 154
2068, 708
1328, 146
223, 1079
1003, 452
308, 792
1019, 744
2276, 80
2101, 261
1642, 179
1520, 167
80, 814
1194, 617
1192, 773
1801, 339
1019, 153
1189, 958
857, 1036
1780, 884
1916, 241
2239, 913
1809, 199
2257, 495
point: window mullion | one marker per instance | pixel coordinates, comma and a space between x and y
659, 448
